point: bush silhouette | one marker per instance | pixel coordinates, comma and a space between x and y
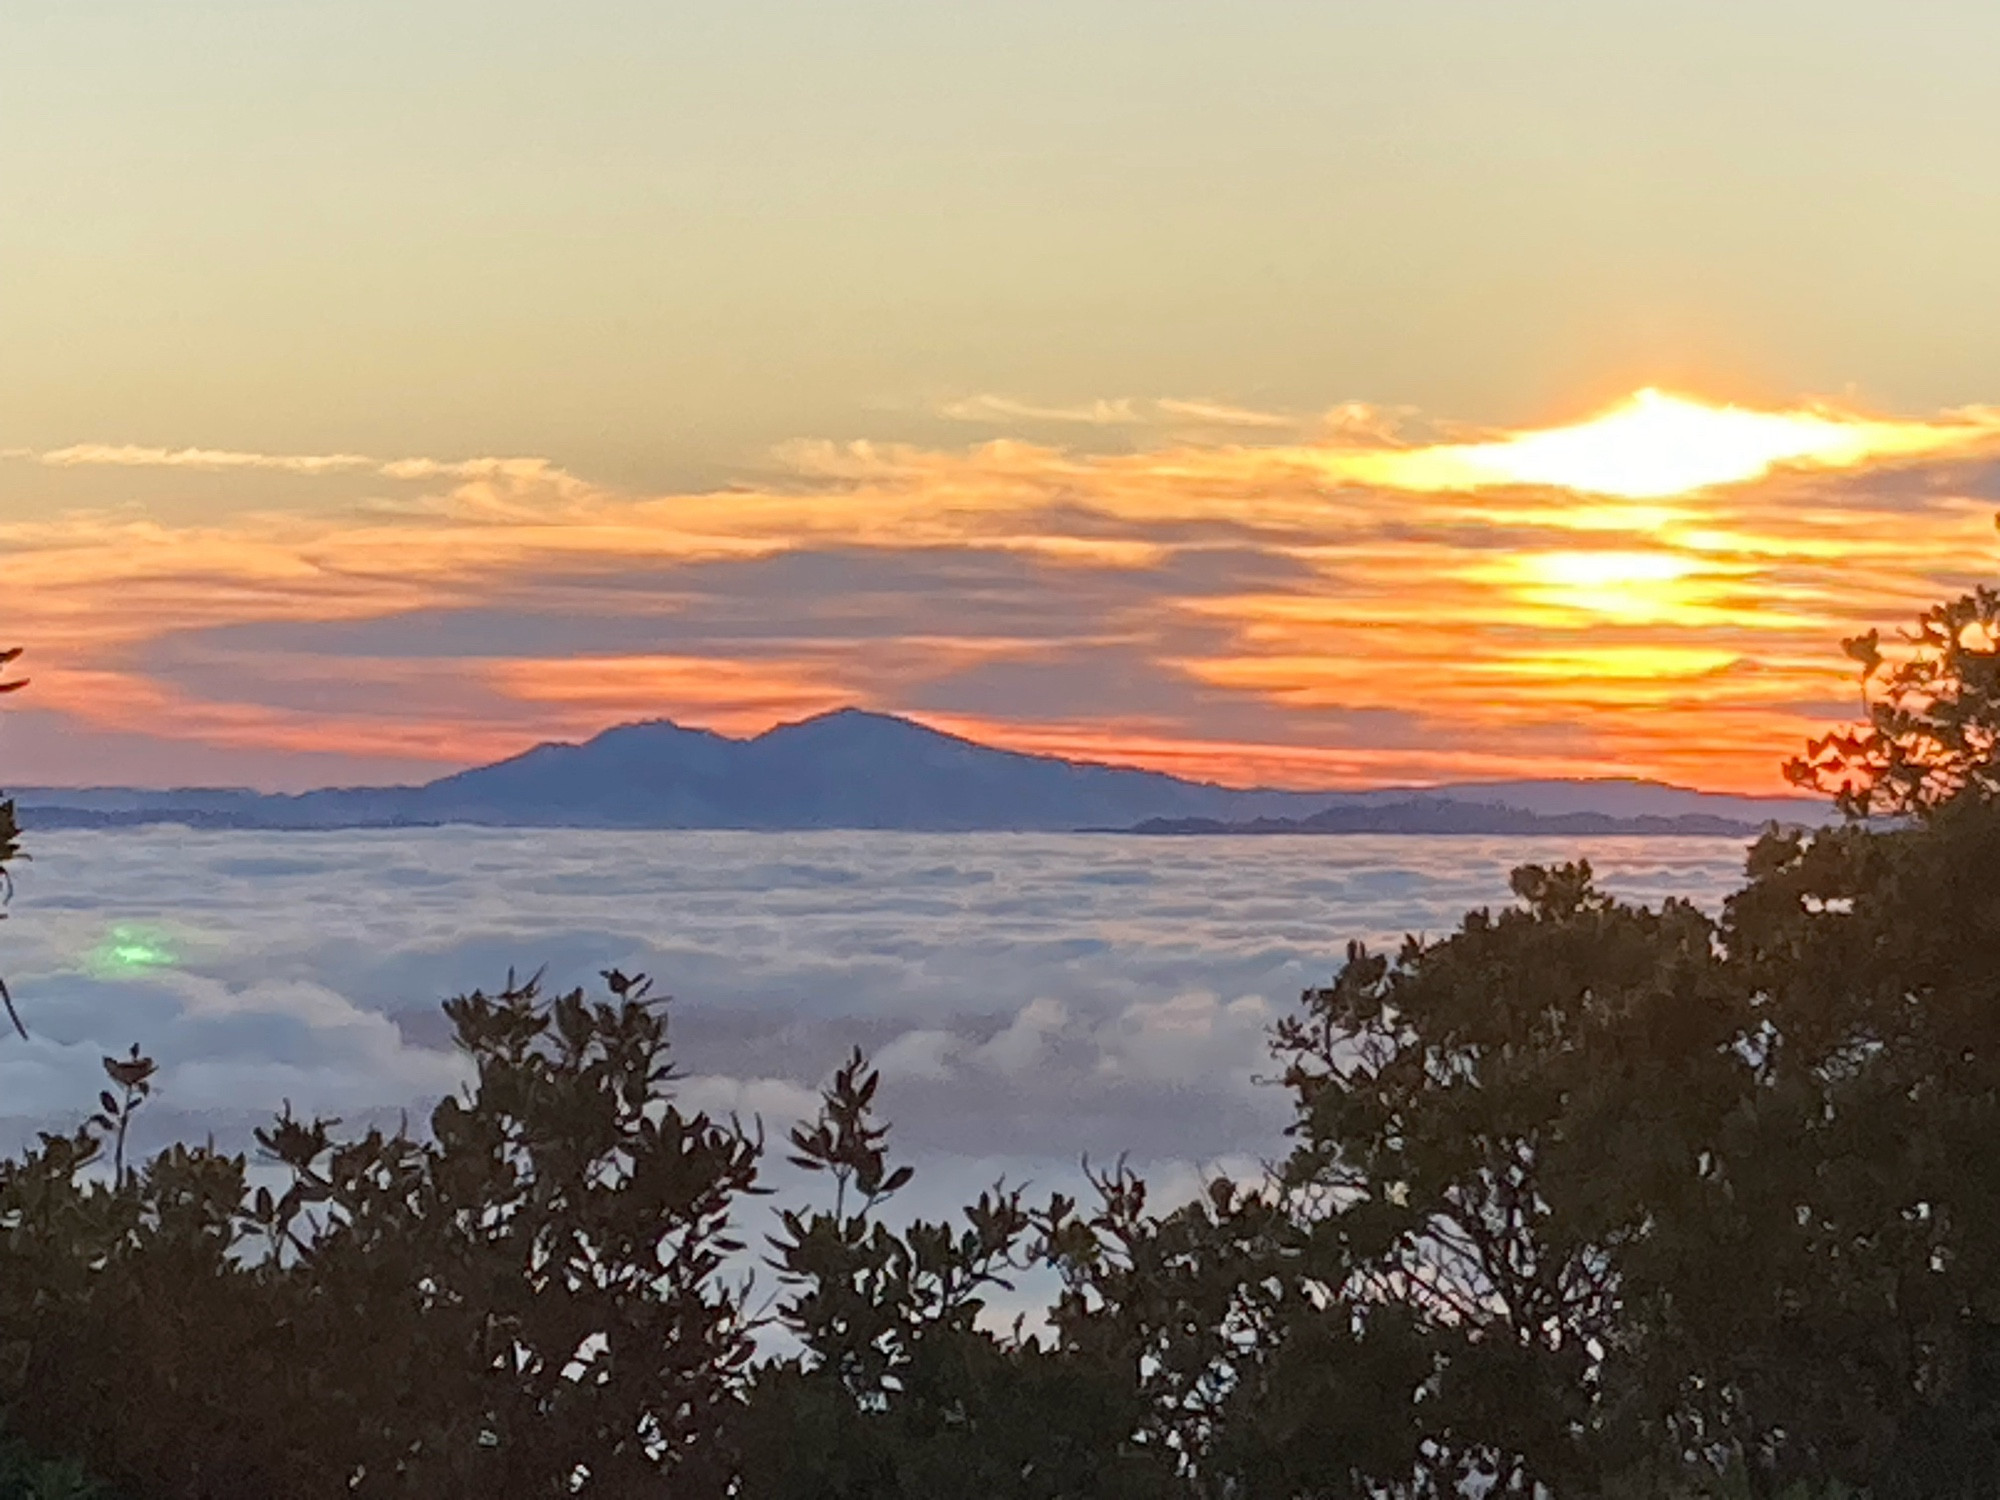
525, 1301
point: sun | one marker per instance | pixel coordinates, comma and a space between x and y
1655, 444
1637, 586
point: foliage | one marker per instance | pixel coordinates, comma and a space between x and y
10, 843
1584, 1199
1854, 1313
1490, 1130
1933, 705
899, 1390
526, 1302
23, 1476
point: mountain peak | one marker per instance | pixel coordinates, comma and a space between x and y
860, 768
640, 729
854, 723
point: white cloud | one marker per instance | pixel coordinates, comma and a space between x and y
1123, 411
778, 1102
1185, 1038
1205, 413
133, 456
516, 470
1030, 999
1020, 1046
919, 1054
1004, 409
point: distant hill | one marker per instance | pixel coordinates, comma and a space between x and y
1444, 815
852, 769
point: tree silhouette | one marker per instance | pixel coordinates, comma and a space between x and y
1932, 700
10, 841
527, 1301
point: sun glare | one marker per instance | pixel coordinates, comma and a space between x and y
1653, 445
1631, 586
1604, 570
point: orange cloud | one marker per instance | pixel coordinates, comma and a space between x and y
730, 696
1658, 591
1656, 445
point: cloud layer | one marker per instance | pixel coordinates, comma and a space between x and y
1318, 603
1029, 998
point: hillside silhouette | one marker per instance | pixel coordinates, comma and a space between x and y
856, 769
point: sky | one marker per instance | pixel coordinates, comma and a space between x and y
385, 388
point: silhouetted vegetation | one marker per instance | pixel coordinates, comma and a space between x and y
1582, 1199
1932, 733
10, 841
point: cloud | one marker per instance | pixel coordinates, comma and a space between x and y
136, 456
1028, 999
1657, 444
1290, 611
130, 456
1221, 414
1004, 411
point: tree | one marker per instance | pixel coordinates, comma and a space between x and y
1933, 716
541, 1277
1255, 1373
1851, 1291
530, 1301
899, 1390
10, 841
1492, 1131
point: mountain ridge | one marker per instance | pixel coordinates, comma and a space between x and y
849, 768
1443, 815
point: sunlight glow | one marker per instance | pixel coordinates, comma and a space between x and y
1634, 586
1603, 570
1655, 444
1351, 605
1564, 666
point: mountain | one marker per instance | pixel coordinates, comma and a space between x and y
847, 769
1615, 796
1445, 815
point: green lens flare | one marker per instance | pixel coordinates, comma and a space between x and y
133, 950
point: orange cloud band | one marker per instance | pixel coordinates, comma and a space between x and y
1658, 592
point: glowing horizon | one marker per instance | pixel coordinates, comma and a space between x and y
1540, 603
1654, 445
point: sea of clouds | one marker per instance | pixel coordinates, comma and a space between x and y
1030, 999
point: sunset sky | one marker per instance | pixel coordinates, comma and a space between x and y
1310, 394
